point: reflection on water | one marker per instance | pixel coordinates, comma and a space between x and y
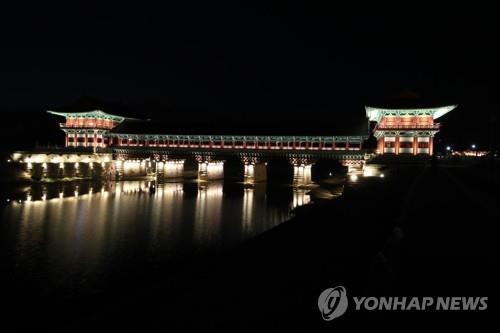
300, 197
208, 212
83, 229
66, 243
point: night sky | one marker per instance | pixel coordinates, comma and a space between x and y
230, 63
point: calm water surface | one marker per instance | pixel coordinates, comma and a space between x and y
82, 237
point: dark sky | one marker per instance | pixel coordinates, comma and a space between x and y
233, 62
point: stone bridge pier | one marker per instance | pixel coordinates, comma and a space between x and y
209, 168
255, 169
302, 167
354, 164
45, 166
129, 169
169, 168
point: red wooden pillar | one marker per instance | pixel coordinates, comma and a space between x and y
397, 145
381, 145
431, 146
415, 144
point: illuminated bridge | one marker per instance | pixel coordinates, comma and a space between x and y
98, 143
254, 151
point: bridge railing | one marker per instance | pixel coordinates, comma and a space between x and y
244, 143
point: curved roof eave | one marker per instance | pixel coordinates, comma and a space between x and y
88, 113
375, 113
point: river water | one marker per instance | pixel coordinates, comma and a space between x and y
76, 239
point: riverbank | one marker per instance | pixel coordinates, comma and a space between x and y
414, 233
